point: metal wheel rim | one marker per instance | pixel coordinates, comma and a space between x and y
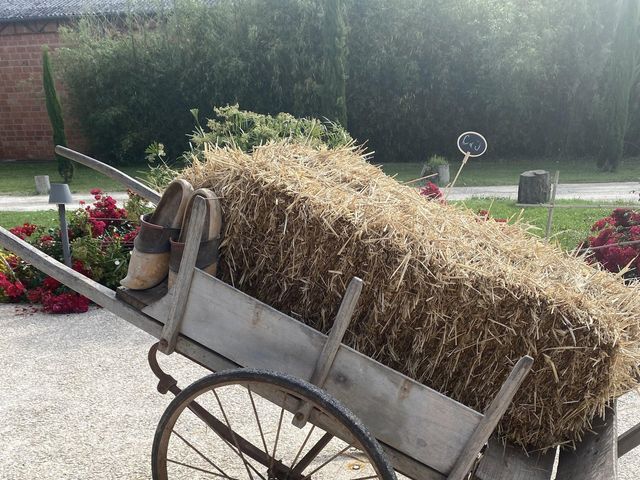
258, 383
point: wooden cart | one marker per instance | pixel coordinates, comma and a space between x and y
378, 422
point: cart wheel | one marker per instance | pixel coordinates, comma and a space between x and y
237, 424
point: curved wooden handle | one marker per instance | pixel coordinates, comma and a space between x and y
129, 182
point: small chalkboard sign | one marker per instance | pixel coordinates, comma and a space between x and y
472, 144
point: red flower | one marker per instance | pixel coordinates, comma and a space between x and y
82, 202
131, 236
612, 232
51, 284
80, 267
69, 302
431, 191
46, 240
13, 290
97, 227
95, 191
24, 231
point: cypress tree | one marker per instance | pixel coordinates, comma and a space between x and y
620, 77
334, 97
54, 110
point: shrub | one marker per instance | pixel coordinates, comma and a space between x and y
54, 111
133, 80
436, 161
415, 71
610, 242
246, 130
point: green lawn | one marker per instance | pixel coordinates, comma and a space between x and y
569, 227
480, 172
46, 218
17, 177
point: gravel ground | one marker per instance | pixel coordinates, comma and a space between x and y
79, 401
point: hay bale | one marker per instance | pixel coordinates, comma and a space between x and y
449, 300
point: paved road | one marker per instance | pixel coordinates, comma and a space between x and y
621, 192
79, 401
624, 192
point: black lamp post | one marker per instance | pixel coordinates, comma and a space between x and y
60, 195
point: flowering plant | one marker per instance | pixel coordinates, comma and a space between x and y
101, 236
432, 192
615, 242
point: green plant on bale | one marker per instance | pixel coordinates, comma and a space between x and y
246, 130
54, 110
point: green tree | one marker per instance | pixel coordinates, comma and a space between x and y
618, 83
54, 110
334, 102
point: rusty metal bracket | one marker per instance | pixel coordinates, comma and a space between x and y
166, 382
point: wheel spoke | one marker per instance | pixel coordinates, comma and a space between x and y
327, 462
199, 469
313, 453
275, 444
201, 454
223, 431
233, 436
255, 412
262, 447
301, 448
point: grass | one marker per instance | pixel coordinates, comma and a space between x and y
45, 218
16, 177
482, 172
569, 227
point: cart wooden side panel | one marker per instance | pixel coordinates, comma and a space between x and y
418, 421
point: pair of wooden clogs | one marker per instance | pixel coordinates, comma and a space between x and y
158, 248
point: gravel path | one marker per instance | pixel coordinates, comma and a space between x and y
79, 401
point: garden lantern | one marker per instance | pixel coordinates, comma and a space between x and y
61, 195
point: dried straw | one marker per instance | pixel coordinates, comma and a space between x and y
448, 300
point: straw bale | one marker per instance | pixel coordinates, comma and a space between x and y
449, 300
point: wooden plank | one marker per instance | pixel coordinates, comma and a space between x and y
339, 328
330, 349
492, 416
404, 414
409, 466
180, 291
596, 457
139, 299
629, 440
129, 182
506, 462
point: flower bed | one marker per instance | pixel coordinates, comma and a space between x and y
101, 236
612, 243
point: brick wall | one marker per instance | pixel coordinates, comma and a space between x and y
25, 132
